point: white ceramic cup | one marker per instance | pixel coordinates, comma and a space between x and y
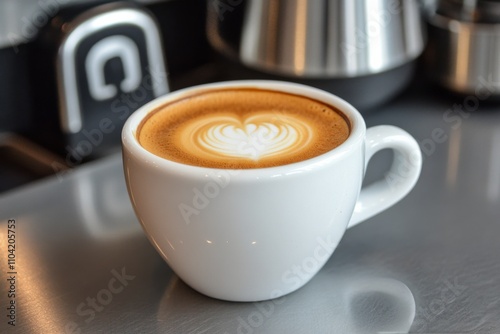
257, 234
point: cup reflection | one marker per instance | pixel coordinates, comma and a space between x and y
330, 303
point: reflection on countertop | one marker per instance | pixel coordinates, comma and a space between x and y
353, 303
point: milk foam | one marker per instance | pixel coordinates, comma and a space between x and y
242, 128
260, 135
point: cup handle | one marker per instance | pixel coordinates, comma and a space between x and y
398, 181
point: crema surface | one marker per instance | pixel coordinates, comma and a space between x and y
242, 128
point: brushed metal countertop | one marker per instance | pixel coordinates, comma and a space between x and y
430, 264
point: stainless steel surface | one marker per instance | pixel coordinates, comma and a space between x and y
480, 11
319, 38
427, 265
464, 45
21, 19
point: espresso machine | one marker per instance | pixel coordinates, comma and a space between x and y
71, 72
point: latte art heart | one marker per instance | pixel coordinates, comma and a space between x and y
255, 137
243, 128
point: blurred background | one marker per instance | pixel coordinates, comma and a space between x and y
72, 71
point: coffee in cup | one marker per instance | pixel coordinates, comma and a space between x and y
242, 129
233, 230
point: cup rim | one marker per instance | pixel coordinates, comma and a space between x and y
357, 123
